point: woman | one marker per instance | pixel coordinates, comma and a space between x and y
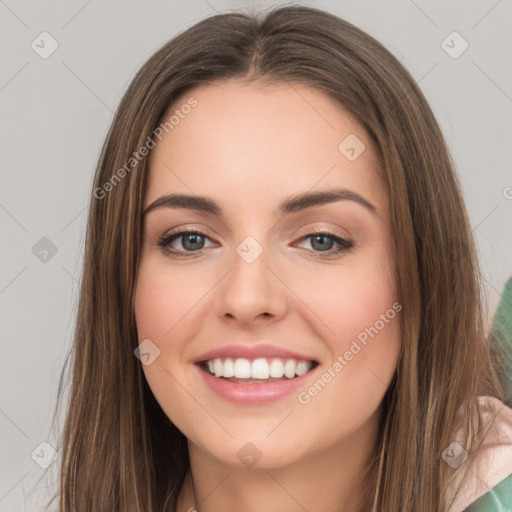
280, 302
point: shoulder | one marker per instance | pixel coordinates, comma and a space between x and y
487, 485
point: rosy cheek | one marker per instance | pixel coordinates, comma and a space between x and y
161, 301
345, 306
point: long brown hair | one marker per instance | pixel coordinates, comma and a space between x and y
120, 452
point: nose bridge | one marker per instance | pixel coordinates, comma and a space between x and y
250, 288
250, 274
250, 250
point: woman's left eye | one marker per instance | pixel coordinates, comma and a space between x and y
321, 241
193, 241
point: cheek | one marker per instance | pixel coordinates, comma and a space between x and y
164, 313
364, 348
358, 316
350, 300
153, 313
164, 300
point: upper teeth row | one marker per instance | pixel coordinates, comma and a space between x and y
259, 368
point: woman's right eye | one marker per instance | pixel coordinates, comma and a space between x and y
191, 241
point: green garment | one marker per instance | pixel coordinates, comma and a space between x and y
502, 334
498, 499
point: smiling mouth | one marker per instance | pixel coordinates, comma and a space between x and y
256, 371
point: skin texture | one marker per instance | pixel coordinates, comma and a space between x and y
249, 147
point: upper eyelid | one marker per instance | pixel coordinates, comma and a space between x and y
308, 229
187, 229
310, 232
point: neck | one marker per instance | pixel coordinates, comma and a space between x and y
324, 481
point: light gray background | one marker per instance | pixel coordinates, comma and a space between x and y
55, 113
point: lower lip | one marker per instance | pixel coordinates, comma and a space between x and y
253, 393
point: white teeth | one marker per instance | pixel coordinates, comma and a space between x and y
289, 368
302, 367
217, 365
242, 369
276, 369
229, 368
260, 368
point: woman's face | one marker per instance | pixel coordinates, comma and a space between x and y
262, 285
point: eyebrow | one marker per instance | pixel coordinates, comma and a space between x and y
290, 205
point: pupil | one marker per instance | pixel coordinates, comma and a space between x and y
322, 246
196, 239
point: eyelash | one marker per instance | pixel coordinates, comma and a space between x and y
165, 240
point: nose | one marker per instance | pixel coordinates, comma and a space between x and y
251, 293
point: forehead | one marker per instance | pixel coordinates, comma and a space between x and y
255, 143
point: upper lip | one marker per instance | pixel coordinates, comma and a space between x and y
251, 352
